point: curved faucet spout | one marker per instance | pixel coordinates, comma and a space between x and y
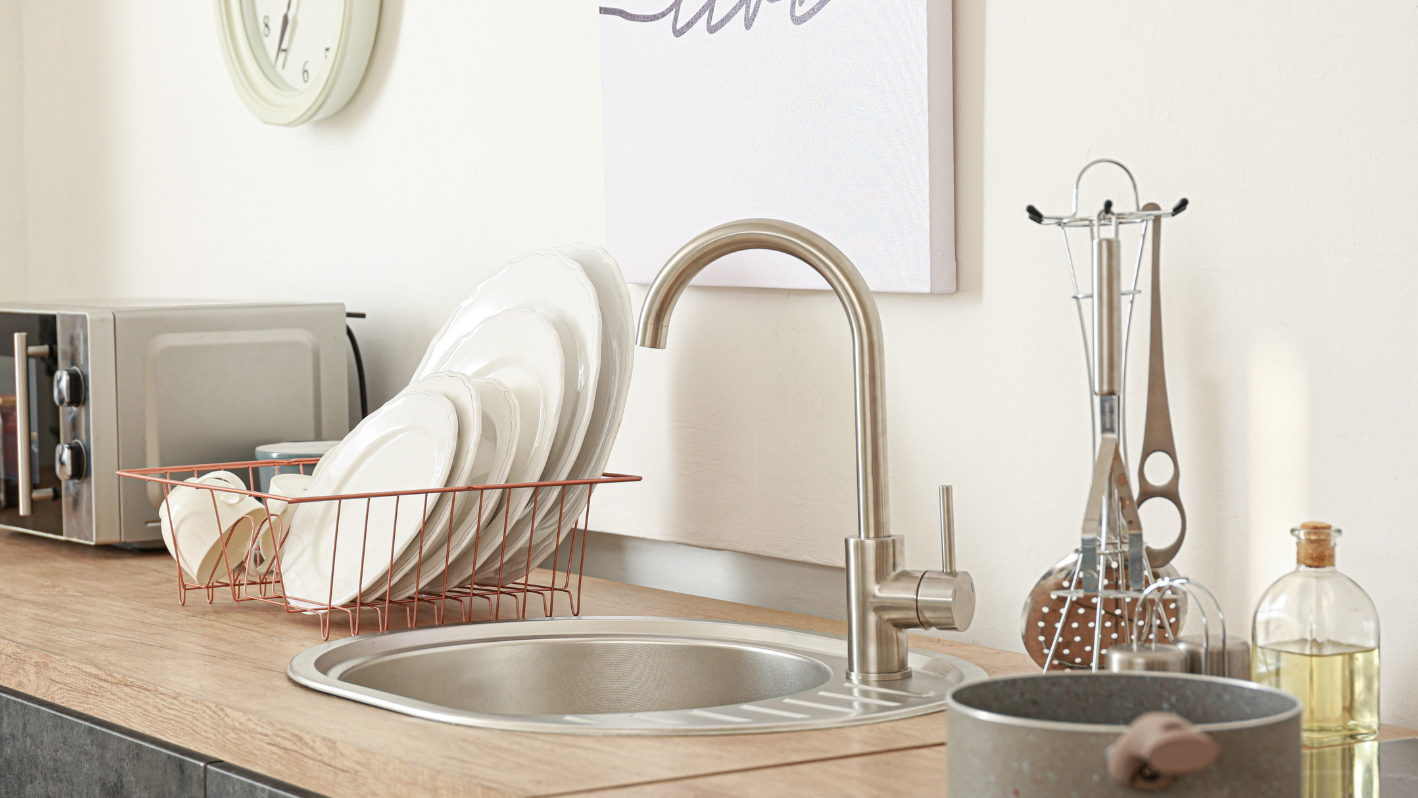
883, 599
856, 297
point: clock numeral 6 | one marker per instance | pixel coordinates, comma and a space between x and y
266, 26
305, 72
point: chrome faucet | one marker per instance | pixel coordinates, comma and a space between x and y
883, 599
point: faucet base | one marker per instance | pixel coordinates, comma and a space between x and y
876, 599
884, 600
872, 678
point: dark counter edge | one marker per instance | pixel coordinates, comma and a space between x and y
47, 749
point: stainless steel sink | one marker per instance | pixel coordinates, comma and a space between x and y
657, 676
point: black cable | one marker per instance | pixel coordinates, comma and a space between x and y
359, 366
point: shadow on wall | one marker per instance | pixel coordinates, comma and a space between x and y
749, 410
376, 74
969, 72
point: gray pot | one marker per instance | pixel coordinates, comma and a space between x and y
1068, 735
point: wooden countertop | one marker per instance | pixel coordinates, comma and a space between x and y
100, 631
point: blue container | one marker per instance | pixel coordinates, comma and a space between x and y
289, 450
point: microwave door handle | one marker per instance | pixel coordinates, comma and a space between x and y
22, 419
23, 353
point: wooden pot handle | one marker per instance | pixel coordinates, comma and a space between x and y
1157, 749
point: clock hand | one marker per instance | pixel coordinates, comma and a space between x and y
294, 12
281, 40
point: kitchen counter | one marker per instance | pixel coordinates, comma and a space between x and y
100, 631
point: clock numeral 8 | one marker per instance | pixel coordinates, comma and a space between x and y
266, 26
305, 72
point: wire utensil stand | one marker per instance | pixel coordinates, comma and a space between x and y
1099, 602
1112, 218
502, 587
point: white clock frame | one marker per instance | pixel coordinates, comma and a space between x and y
331, 88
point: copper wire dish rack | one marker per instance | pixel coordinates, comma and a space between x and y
255, 575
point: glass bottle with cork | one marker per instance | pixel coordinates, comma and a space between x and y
1316, 636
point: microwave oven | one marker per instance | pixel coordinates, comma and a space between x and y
93, 388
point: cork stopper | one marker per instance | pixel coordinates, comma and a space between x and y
1315, 547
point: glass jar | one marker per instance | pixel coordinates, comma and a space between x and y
1316, 636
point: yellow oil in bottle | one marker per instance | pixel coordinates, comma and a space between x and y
1338, 684
1340, 771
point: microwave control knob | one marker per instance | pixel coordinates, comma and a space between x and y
69, 388
71, 461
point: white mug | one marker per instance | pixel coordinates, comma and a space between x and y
196, 523
290, 486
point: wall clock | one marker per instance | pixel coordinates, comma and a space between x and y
296, 60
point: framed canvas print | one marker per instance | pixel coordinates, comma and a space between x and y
833, 114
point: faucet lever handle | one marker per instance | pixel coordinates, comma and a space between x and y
947, 528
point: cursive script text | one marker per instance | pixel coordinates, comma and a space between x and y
750, 9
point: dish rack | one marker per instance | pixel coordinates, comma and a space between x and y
256, 575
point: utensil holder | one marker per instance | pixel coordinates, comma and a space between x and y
1099, 591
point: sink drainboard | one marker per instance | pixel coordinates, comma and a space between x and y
646, 676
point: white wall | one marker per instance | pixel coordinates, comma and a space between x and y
1289, 286
13, 271
474, 137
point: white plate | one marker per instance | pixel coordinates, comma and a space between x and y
467, 403
492, 461
612, 386
405, 445
520, 349
555, 286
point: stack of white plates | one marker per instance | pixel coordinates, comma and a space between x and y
526, 382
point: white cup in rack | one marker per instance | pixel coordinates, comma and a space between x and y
197, 522
290, 486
